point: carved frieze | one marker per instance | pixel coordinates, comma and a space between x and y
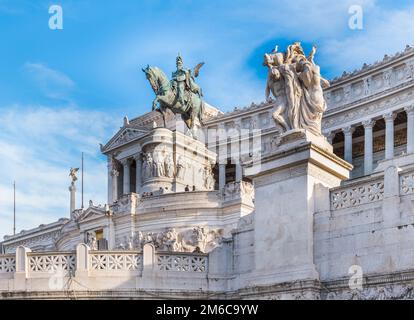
236, 190
387, 292
158, 162
46, 240
355, 115
197, 239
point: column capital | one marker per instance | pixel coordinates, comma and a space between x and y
409, 109
368, 123
137, 156
113, 162
114, 173
348, 130
390, 116
126, 161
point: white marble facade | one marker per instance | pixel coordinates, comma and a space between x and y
245, 211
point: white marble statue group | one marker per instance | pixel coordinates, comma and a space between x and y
208, 178
196, 239
158, 164
296, 83
91, 241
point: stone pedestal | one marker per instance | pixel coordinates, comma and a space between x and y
172, 160
72, 190
285, 181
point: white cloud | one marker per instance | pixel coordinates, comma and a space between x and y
38, 145
226, 41
385, 32
53, 83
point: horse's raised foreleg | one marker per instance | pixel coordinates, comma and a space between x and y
154, 103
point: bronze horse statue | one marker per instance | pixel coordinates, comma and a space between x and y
167, 98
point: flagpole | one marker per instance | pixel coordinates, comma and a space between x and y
14, 207
82, 180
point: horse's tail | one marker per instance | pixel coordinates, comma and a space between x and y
201, 113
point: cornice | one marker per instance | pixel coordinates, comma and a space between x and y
370, 99
372, 68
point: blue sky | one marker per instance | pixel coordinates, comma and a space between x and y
65, 91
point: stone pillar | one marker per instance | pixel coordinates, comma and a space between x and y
410, 128
82, 260
368, 146
348, 131
111, 233
389, 135
22, 268
110, 200
138, 173
115, 175
239, 171
72, 190
285, 201
391, 202
22, 263
127, 178
220, 260
222, 176
148, 257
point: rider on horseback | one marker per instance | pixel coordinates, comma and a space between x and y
181, 95
183, 82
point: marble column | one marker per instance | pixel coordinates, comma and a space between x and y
348, 131
115, 175
239, 171
389, 135
138, 173
72, 190
127, 177
111, 233
222, 176
410, 128
368, 146
110, 180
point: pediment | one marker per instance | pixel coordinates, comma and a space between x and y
90, 214
124, 136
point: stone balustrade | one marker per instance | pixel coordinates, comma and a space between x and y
373, 190
108, 270
181, 262
7, 264
51, 262
359, 194
407, 183
115, 261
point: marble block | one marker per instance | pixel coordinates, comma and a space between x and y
285, 197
